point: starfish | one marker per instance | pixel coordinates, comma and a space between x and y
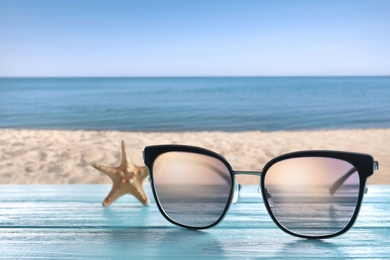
127, 178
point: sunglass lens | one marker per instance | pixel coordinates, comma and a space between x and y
192, 189
312, 196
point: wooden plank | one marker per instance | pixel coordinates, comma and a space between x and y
68, 222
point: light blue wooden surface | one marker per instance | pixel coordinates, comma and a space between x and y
68, 222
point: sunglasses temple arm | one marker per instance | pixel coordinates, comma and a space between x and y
343, 178
221, 174
237, 186
341, 181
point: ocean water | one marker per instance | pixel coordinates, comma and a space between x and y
195, 104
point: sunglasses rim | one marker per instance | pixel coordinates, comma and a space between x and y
364, 163
151, 153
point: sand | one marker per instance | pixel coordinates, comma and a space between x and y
64, 157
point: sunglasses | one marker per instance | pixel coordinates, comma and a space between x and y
309, 194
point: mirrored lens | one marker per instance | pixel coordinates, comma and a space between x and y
193, 189
312, 196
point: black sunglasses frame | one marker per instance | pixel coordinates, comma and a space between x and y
151, 153
364, 164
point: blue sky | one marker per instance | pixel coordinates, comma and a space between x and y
194, 38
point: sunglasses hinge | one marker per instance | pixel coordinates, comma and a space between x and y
376, 165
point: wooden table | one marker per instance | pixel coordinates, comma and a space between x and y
68, 222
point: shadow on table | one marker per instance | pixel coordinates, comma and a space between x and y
161, 241
313, 248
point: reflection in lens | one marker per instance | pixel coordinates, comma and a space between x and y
301, 194
193, 189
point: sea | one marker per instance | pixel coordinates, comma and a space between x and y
173, 104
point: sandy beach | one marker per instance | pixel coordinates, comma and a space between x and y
64, 157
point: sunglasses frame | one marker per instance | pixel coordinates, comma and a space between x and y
364, 163
151, 153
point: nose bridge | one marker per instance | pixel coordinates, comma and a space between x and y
254, 173
237, 187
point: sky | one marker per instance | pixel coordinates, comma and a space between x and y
72, 38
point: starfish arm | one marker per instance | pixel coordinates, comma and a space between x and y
144, 172
111, 172
140, 194
114, 194
126, 163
